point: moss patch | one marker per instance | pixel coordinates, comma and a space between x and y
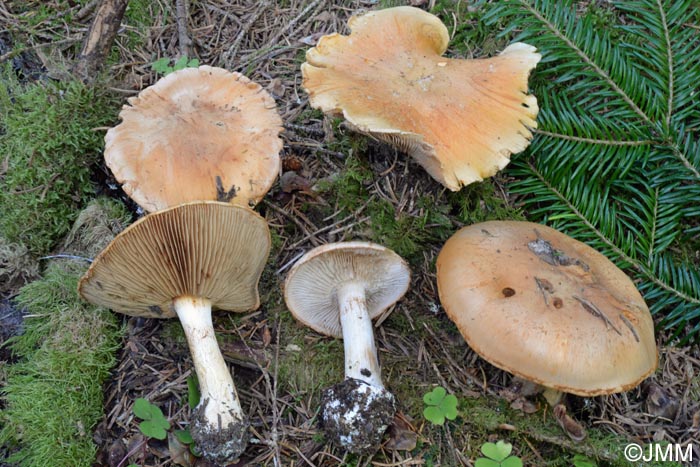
49, 145
53, 395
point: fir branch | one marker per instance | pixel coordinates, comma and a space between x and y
587, 59
612, 245
669, 63
616, 159
607, 142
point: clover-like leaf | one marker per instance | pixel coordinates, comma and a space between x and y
512, 461
184, 436
498, 451
162, 66
180, 63
193, 394
435, 396
583, 461
498, 455
434, 415
440, 406
143, 409
154, 424
153, 429
483, 462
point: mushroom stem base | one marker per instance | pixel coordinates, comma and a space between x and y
355, 415
218, 426
220, 445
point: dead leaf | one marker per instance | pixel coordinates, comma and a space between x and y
660, 402
179, 453
292, 163
571, 427
276, 88
659, 436
311, 40
266, 337
290, 181
324, 16
402, 436
116, 454
523, 405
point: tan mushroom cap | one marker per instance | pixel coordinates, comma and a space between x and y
204, 249
460, 119
310, 289
192, 126
541, 305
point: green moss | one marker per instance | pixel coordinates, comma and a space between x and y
140, 15
433, 220
483, 417
54, 395
308, 363
49, 145
469, 35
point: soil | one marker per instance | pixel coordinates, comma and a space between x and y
355, 415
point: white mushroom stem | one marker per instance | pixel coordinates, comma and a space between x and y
358, 336
215, 382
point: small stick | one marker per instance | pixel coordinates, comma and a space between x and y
99, 38
183, 37
232, 51
79, 258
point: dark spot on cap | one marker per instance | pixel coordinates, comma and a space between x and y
557, 302
508, 292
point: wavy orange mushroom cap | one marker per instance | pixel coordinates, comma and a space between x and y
460, 119
550, 309
197, 134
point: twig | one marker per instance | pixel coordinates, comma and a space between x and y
85, 11
99, 38
232, 51
295, 219
293, 22
607, 142
79, 258
14, 53
183, 38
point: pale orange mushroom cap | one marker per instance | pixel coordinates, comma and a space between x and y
541, 305
197, 134
460, 119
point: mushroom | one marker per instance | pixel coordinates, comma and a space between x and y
460, 119
547, 308
183, 262
337, 289
197, 134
